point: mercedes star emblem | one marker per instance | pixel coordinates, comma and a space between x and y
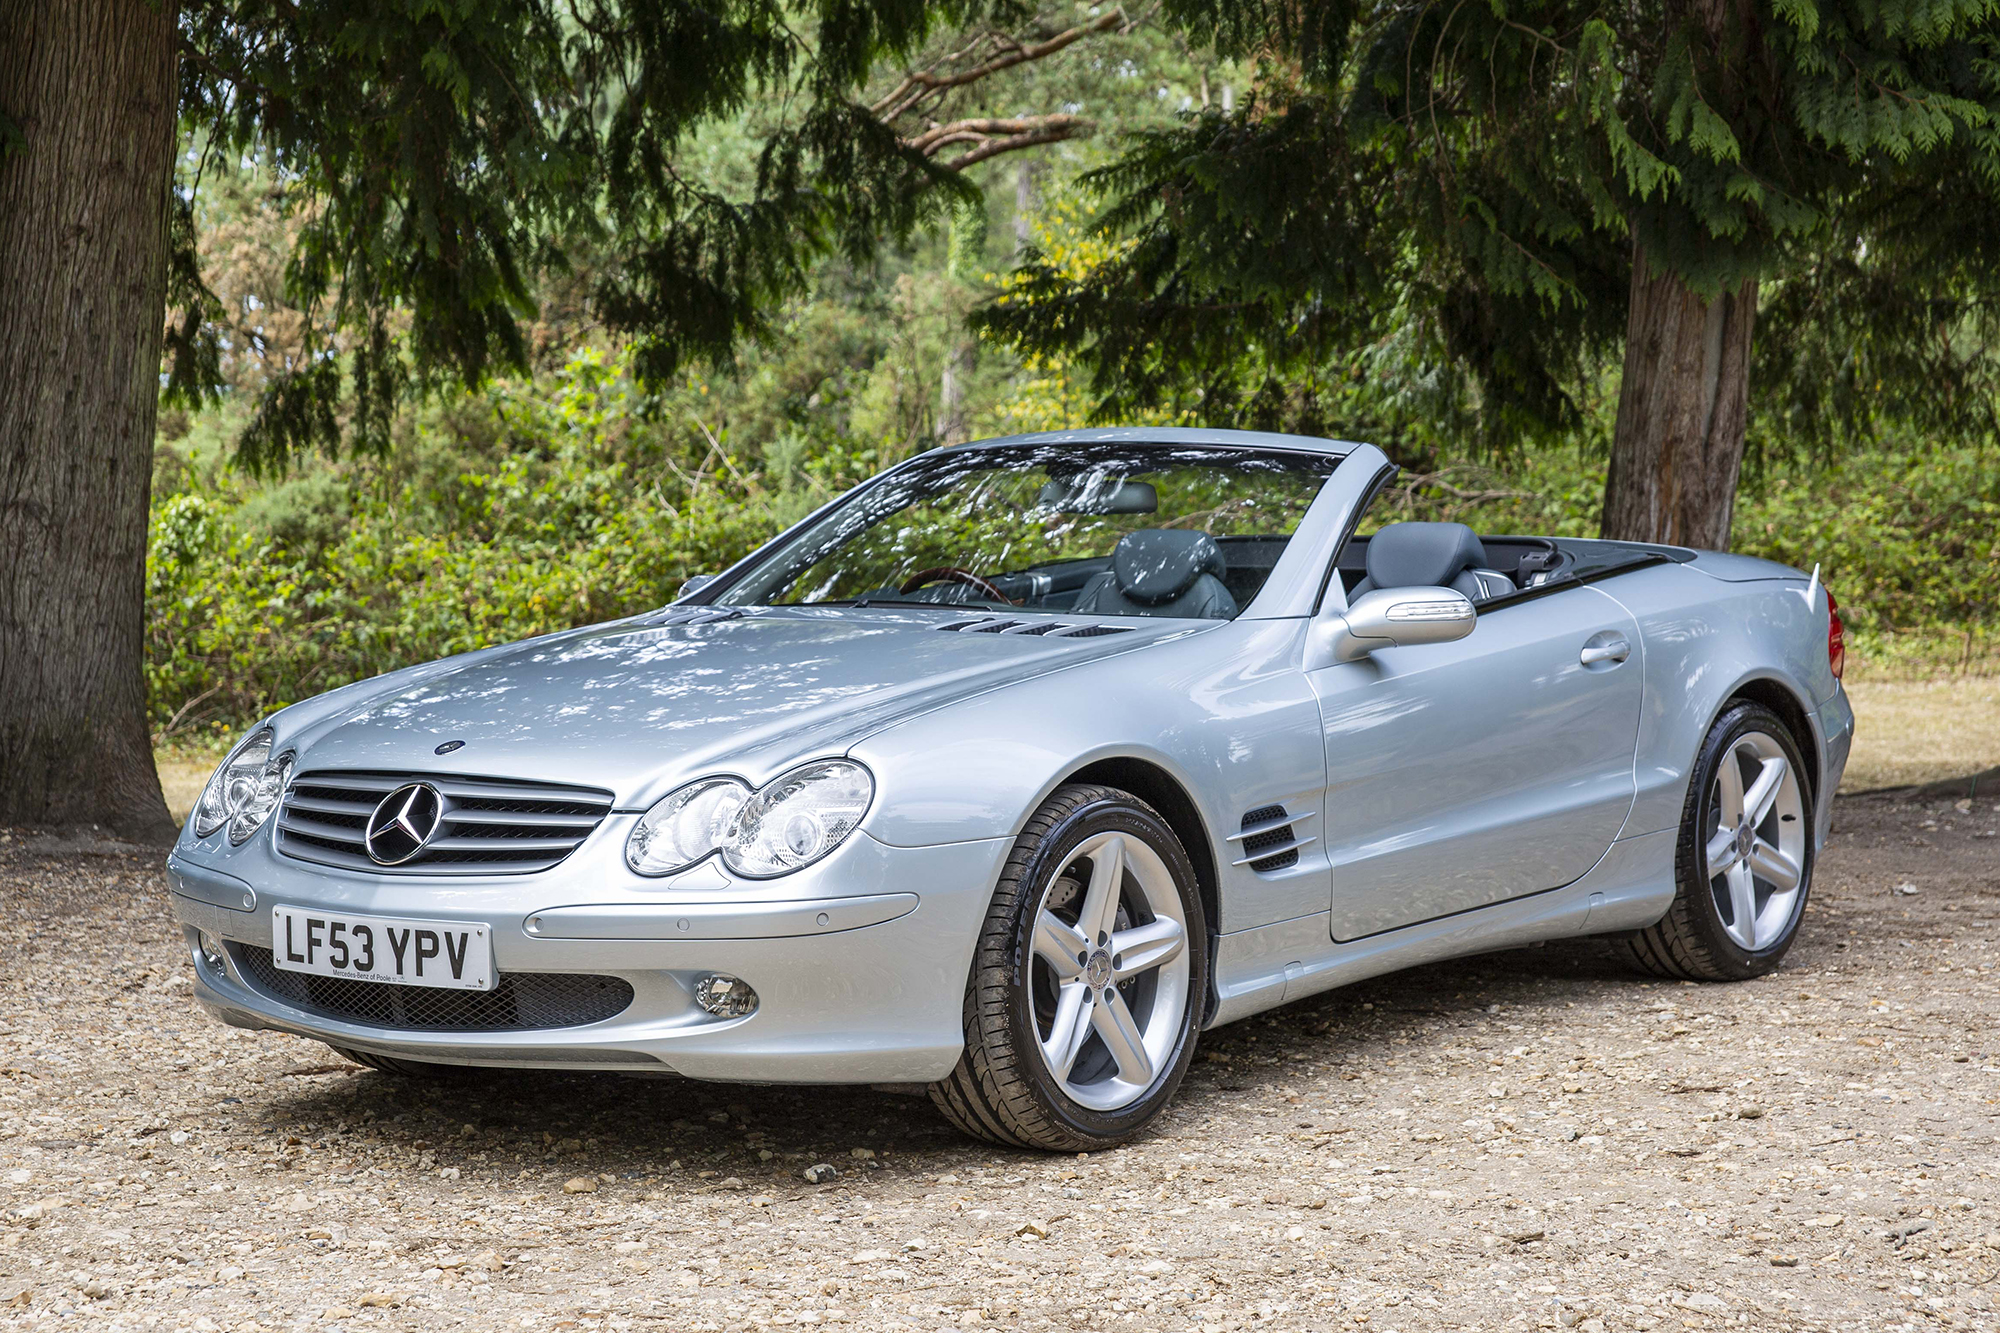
403, 822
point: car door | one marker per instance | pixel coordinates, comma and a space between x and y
1462, 774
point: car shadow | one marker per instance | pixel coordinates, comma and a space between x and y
686, 1135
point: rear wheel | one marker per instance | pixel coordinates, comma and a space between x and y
1081, 1010
1745, 858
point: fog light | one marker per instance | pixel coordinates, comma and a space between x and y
725, 997
211, 951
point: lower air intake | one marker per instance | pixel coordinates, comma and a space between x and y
520, 1001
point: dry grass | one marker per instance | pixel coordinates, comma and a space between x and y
1922, 731
182, 774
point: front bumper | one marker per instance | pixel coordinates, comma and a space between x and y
859, 962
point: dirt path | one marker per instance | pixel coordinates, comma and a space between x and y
1531, 1139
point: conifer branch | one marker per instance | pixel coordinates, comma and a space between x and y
918, 85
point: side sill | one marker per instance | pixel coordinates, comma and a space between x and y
1260, 968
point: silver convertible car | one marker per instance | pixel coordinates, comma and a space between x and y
1016, 768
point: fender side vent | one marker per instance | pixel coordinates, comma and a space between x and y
1268, 840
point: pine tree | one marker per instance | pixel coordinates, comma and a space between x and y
1480, 203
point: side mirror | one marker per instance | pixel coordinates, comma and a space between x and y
695, 584
1392, 618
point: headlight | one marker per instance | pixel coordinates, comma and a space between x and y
685, 827
796, 820
244, 790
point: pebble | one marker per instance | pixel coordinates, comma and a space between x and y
1613, 1117
580, 1185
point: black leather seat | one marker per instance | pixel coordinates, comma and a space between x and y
1161, 572
1442, 555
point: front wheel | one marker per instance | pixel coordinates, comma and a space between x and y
1089, 979
1744, 861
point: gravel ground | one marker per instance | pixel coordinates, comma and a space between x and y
1532, 1139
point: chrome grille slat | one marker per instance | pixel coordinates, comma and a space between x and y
1270, 825
1273, 853
456, 843
326, 805
488, 826
474, 815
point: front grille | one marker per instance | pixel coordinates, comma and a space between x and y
488, 826
518, 1001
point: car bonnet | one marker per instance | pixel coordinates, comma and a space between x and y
639, 707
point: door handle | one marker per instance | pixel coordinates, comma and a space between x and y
1607, 647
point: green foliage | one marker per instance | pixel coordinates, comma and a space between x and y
1470, 184
440, 158
454, 187
1304, 262
1907, 538
512, 513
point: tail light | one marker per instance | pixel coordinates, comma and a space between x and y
1836, 636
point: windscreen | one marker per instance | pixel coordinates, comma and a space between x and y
1105, 530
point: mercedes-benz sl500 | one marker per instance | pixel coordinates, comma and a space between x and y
1018, 767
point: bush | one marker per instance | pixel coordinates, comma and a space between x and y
508, 516
538, 506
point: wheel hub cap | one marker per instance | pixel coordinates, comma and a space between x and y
1746, 838
1097, 971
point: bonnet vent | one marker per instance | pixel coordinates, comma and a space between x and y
1053, 629
1267, 839
700, 615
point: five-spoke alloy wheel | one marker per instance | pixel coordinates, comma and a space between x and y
1756, 856
1082, 1008
1744, 863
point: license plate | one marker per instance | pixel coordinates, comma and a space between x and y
457, 955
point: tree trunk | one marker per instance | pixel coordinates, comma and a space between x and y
91, 86
1026, 199
953, 422
1678, 444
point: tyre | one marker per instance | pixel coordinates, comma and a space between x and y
389, 1064
1743, 864
1088, 983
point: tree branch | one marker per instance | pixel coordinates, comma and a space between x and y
920, 84
981, 129
1015, 142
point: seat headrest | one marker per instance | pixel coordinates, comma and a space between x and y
1159, 564
1414, 555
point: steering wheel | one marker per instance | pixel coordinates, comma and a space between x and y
953, 574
